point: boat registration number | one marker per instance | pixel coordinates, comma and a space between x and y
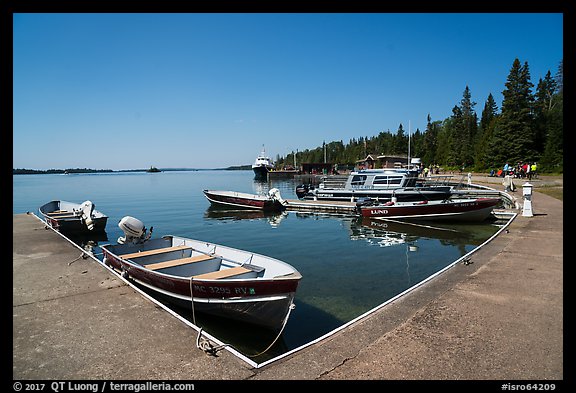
224, 290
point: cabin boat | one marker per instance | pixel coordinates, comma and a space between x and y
262, 165
206, 277
73, 218
380, 184
457, 209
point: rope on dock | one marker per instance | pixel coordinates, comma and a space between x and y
83, 255
290, 308
206, 345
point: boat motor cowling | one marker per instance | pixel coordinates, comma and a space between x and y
274, 193
85, 212
134, 231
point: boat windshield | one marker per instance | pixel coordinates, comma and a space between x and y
358, 180
410, 181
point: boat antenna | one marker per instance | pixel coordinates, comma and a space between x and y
409, 132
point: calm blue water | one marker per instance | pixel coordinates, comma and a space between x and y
349, 265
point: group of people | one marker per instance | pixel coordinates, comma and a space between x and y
522, 170
429, 170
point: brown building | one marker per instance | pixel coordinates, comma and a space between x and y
317, 168
373, 161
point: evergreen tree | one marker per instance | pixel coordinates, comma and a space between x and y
430, 142
513, 138
417, 142
445, 152
553, 156
469, 128
482, 159
545, 92
489, 112
400, 142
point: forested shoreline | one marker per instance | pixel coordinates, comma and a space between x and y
529, 127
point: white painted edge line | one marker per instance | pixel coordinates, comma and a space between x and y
156, 302
321, 338
373, 310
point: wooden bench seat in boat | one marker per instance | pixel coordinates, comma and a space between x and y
62, 215
178, 262
154, 252
226, 273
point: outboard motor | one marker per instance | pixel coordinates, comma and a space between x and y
134, 231
85, 212
302, 190
274, 193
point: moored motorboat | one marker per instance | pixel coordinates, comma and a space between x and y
73, 218
206, 277
380, 184
457, 209
270, 202
261, 166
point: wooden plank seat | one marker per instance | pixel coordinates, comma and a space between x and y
63, 215
226, 273
178, 262
59, 212
154, 252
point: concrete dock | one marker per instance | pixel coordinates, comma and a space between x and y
498, 317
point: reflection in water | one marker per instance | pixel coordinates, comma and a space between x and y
414, 230
90, 241
225, 213
380, 259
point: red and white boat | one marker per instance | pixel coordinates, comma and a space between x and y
206, 277
457, 209
271, 202
73, 218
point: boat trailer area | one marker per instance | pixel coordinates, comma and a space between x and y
75, 319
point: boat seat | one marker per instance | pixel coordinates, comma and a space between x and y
56, 212
154, 252
62, 216
178, 262
226, 273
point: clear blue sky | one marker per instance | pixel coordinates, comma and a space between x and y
125, 91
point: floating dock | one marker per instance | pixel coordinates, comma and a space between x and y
340, 207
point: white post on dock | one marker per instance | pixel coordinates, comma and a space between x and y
527, 194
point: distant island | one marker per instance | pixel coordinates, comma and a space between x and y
58, 171
152, 169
